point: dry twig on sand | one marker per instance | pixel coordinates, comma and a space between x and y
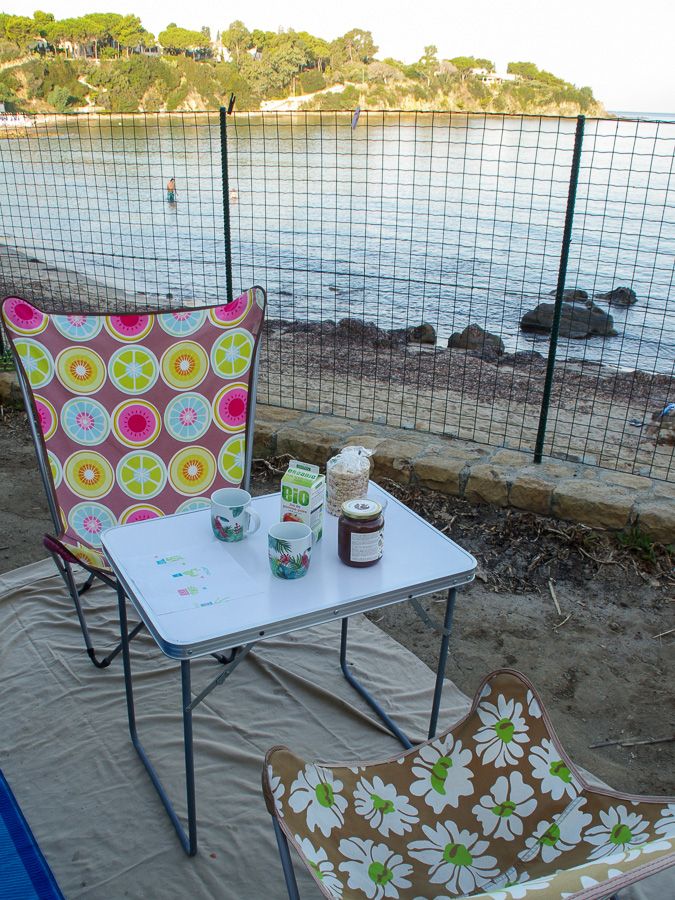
631, 742
560, 624
663, 633
555, 599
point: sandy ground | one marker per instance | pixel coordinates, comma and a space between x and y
598, 663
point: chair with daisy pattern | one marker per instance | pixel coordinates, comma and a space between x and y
492, 808
134, 416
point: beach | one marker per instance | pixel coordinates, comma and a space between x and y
357, 370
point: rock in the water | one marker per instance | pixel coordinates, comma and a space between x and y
576, 321
620, 296
422, 334
474, 338
571, 295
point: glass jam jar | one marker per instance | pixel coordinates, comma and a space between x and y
360, 533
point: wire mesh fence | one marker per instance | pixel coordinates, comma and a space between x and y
88, 195
411, 260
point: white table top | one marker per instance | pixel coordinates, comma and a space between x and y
198, 595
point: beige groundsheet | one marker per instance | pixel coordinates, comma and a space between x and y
65, 748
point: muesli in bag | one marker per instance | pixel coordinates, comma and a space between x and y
347, 476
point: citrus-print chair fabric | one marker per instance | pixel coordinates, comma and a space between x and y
140, 415
493, 808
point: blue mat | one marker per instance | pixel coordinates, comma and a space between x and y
24, 873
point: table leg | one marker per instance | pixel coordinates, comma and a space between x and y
440, 675
189, 840
370, 700
189, 756
442, 658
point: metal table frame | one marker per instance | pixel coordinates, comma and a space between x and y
230, 662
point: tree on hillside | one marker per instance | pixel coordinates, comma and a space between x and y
182, 40
382, 73
8, 87
42, 21
356, 46
129, 33
237, 39
65, 32
526, 70
464, 64
98, 28
60, 98
83, 34
18, 30
318, 49
260, 39
283, 57
530, 72
428, 63
446, 74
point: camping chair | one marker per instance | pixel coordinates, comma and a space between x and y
134, 416
491, 808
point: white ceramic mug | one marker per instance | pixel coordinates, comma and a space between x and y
290, 549
232, 518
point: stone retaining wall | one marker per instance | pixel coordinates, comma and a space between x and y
597, 497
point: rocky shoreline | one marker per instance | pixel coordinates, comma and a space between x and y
474, 364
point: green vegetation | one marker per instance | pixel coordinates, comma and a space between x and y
467, 63
108, 61
124, 85
6, 360
639, 543
44, 77
176, 40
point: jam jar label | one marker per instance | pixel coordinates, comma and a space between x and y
367, 547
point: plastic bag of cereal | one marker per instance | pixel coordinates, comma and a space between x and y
347, 476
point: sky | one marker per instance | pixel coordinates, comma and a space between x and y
622, 49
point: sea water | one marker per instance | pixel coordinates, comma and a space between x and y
407, 218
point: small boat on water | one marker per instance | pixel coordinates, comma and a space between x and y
15, 120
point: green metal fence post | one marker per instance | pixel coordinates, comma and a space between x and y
226, 201
560, 288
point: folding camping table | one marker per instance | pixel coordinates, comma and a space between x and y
200, 596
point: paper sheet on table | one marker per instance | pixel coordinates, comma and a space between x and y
190, 578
